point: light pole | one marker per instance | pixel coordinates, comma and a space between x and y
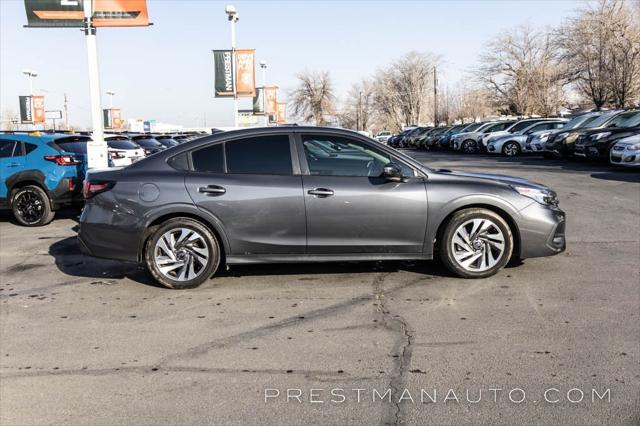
111, 94
263, 67
232, 15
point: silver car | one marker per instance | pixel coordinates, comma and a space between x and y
469, 141
626, 152
513, 144
309, 194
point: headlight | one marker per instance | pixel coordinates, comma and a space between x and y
562, 136
543, 137
542, 196
635, 147
598, 136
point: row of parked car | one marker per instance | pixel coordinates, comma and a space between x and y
41, 172
612, 136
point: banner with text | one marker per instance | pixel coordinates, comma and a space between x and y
271, 100
282, 112
70, 13
26, 110
39, 116
258, 101
223, 73
245, 72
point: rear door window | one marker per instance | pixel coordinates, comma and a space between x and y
268, 155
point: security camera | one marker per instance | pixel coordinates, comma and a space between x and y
230, 10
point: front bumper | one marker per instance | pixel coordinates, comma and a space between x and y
542, 231
625, 158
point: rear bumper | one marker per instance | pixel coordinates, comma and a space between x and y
542, 231
68, 191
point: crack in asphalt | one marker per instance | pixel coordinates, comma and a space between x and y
401, 352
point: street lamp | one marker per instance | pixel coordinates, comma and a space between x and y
31, 74
263, 67
233, 17
111, 93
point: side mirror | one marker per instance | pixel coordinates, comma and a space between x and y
392, 172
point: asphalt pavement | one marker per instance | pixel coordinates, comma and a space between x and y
89, 341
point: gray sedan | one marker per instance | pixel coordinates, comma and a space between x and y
307, 194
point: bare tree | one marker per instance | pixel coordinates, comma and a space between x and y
358, 109
313, 99
520, 70
601, 47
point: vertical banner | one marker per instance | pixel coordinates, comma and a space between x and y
116, 119
223, 73
245, 72
107, 118
282, 112
26, 110
271, 100
39, 117
258, 101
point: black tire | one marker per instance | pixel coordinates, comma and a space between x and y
468, 147
446, 244
212, 245
31, 206
511, 149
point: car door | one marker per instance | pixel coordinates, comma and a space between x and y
249, 184
11, 162
350, 207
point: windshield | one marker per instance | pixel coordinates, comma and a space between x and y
602, 119
148, 143
630, 119
472, 127
521, 125
122, 144
579, 121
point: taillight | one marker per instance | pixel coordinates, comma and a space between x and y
93, 188
63, 160
117, 154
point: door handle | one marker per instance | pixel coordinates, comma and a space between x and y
321, 192
212, 190
13, 164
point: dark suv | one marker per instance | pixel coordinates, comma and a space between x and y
597, 143
308, 194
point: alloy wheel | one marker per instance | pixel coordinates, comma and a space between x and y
30, 206
468, 148
181, 254
510, 149
478, 245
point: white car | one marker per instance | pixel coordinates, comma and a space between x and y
469, 141
626, 152
383, 136
123, 151
513, 143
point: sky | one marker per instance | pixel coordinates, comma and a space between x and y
165, 71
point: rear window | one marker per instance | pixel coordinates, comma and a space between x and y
71, 146
148, 143
122, 144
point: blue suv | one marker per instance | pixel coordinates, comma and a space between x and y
39, 173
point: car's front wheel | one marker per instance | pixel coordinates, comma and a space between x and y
31, 206
469, 147
476, 243
511, 149
182, 253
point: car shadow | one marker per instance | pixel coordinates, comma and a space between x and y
72, 213
620, 176
70, 261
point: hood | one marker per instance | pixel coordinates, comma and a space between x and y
507, 180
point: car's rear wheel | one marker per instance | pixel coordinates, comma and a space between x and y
182, 253
476, 243
511, 149
31, 206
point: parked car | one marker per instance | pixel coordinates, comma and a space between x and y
264, 195
626, 152
148, 143
430, 141
562, 144
456, 140
383, 136
39, 173
167, 140
536, 142
470, 142
445, 139
123, 151
411, 139
516, 127
513, 144
597, 143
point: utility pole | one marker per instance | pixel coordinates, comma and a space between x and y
435, 96
233, 17
66, 112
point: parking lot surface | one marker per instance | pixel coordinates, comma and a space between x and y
90, 341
